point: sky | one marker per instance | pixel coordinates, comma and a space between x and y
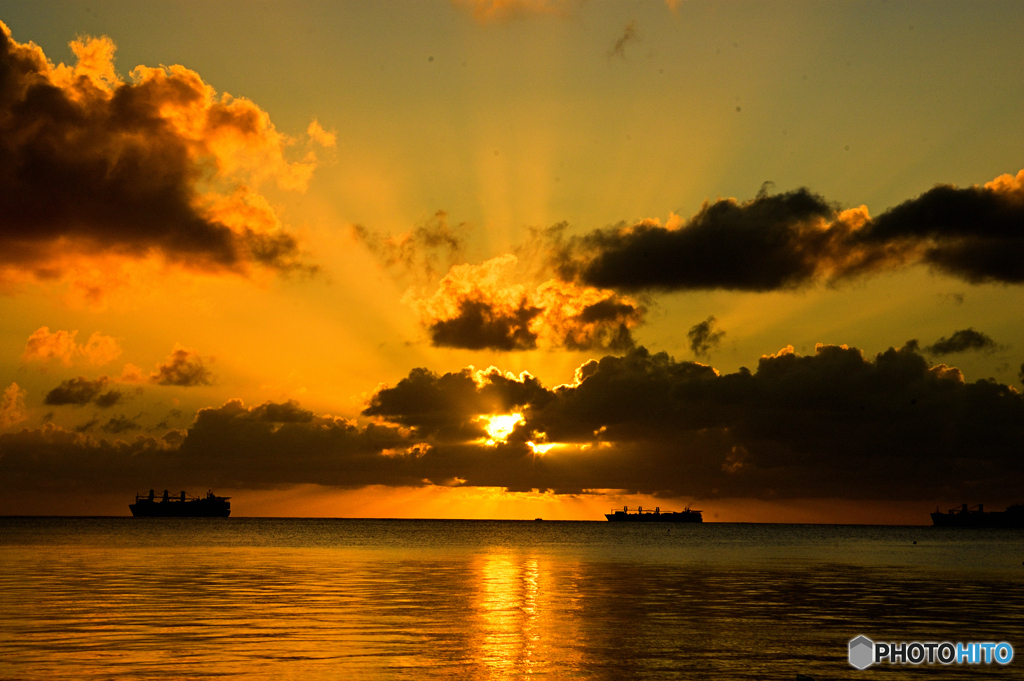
513, 258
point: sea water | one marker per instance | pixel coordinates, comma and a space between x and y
135, 598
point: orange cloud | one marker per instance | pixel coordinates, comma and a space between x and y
159, 167
42, 346
477, 306
12, 406
492, 11
321, 136
184, 367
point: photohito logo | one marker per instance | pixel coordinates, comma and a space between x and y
864, 652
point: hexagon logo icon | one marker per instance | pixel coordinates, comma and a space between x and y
862, 652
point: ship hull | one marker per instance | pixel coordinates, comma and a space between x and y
684, 517
1013, 517
200, 508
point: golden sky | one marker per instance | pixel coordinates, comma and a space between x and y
513, 259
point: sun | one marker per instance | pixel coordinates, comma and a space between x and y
500, 426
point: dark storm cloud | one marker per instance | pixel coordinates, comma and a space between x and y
962, 341
798, 238
81, 391
834, 424
91, 165
704, 337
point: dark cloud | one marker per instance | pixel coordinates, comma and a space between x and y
121, 424
77, 391
87, 426
629, 35
704, 337
834, 424
798, 238
962, 341
81, 391
432, 247
228, 446
768, 243
288, 412
479, 307
108, 399
478, 325
1020, 373
831, 424
91, 165
166, 422
183, 367
972, 233
446, 408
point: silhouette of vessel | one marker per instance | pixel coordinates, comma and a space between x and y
655, 516
977, 516
182, 506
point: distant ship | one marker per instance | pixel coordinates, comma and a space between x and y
655, 516
182, 506
977, 516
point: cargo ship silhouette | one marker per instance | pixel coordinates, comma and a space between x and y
655, 516
977, 516
180, 506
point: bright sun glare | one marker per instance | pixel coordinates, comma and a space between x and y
500, 426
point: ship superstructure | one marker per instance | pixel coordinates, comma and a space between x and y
180, 506
977, 516
639, 515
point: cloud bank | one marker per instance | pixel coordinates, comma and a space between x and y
798, 238
834, 424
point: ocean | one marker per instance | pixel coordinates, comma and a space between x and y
255, 598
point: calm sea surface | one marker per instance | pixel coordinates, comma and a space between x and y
125, 598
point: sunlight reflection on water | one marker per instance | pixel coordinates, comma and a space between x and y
277, 599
